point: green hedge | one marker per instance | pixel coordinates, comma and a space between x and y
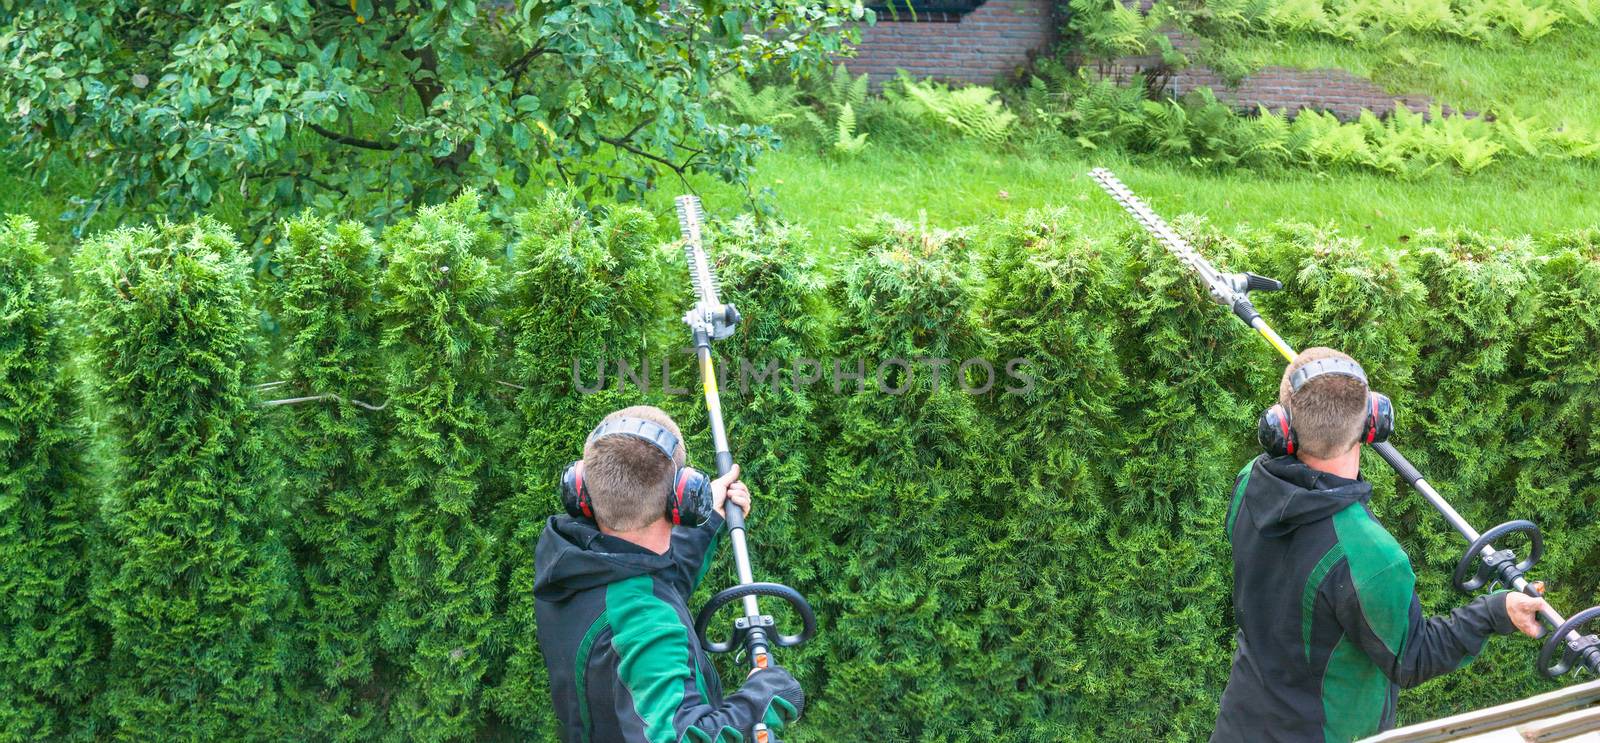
354, 561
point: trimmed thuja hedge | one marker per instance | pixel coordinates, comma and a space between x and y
302, 505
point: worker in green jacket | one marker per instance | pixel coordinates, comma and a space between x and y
612, 580
1330, 627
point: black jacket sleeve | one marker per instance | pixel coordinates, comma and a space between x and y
1384, 617
692, 552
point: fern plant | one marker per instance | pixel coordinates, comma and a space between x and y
1529, 22
1524, 136
1588, 10
774, 105
1107, 29
1266, 136
1575, 142
1419, 15
1327, 142
846, 141
1105, 114
1166, 129
1299, 16
833, 117
1466, 142
975, 112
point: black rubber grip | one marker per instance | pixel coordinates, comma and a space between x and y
1556, 646
733, 515
1468, 580
808, 618
1257, 283
1401, 465
1244, 310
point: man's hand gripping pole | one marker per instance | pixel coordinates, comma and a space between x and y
1563, 649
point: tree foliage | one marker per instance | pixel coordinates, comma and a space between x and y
437, 620
384, 104
50, 641
580, 294
197, 580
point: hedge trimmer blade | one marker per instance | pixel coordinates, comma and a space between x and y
1221, 289
709, 313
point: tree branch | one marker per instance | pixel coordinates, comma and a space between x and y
623, 144
516, 68
352, 141
305, 177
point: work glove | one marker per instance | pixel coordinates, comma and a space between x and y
788, 699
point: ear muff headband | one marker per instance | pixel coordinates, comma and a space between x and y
658, 435
1335, 366
688, 499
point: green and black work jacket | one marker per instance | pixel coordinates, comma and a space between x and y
1329, 623
619, 642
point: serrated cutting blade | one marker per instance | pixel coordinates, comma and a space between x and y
690, 223
1221, 291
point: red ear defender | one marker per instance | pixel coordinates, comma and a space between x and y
1380, 418
1275, 433
689, 501
573, 496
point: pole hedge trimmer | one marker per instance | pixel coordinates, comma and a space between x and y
710, 320
1565, 648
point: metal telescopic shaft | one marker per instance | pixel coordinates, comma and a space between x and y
1232, 292
734, 515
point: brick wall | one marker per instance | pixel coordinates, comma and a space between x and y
986, 45
1000, 37
1336, 91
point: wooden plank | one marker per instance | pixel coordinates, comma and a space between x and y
1562, 727
1486, 721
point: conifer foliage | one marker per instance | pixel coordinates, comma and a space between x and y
580, 294
902, 509
49, 639
772, 398
1039, 558
437, 620
329, 444
197, 580
1049, 298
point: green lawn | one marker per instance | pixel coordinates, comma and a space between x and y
1554, 78
962, 183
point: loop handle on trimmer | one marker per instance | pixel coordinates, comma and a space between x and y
1584, 648
1498, 565
763, 623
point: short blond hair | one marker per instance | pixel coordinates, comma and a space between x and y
626, 477
1329, 411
